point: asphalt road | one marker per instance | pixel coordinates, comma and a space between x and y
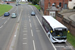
31, 35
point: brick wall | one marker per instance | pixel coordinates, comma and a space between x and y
45, 6
54, 1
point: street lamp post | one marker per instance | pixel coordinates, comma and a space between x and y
17, 6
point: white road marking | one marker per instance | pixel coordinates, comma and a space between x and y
24, 38
5, 22
3, 18
29, 20
31, 7
1, 26
24, 34
45, 33
14, 35
30, 25
31, 32
29, 16
25, 28
25, 31
24, 43
34, 45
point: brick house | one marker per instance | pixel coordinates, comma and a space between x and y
58, 3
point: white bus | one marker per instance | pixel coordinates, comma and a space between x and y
56, 31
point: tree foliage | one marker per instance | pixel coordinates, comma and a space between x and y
34, 1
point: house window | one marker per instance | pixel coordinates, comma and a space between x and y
60, 4
48, 4
55, 3
70, 0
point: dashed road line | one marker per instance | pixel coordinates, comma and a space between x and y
31, 32
34, 45
29, 20
30, 25
24, 43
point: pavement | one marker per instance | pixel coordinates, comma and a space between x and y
69, 16
72, 17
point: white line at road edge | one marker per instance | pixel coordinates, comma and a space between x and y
45, 33
14, 38
31, 32
34, 45
31, 7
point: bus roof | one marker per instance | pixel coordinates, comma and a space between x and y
53, 22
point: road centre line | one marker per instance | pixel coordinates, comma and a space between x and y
45, 33
24, 38
34, 45
44, 30
29, 20
30, 25
31, 32
31, 7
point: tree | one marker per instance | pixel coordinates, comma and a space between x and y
35, 1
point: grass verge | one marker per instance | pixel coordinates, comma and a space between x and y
71, 39
37, 6
4, 8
